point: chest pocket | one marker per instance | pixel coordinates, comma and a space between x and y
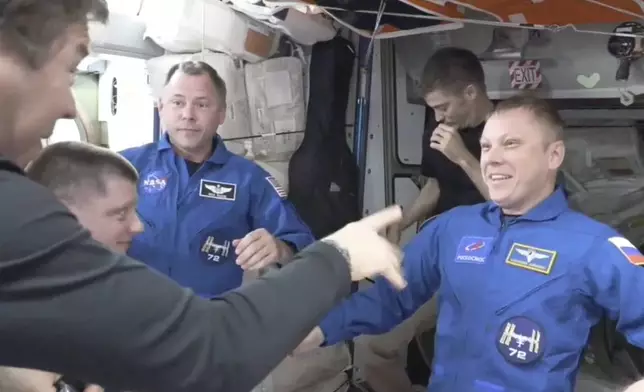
214, 216
531, 275
214, 246
467, 267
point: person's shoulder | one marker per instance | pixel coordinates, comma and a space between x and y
248, 167
31, 215
242, 162
18, 191
133, 153
456, 213
585, 225
591, 235
467, 210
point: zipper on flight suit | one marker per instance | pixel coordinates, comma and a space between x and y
495, 245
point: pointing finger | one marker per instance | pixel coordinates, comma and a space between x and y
395, 277
383, 218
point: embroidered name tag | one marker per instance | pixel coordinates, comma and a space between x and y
531, 258
218, 190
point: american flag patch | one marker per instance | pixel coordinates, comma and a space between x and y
276, 185
627, 249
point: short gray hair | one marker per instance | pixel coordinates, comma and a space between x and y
67, 167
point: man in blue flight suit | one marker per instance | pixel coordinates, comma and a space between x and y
209, 215
520, 280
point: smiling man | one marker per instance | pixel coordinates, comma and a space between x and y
100, 188
454, 90
97, 185
71, 305
520, 280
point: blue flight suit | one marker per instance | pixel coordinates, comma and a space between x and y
191, 221
517, 296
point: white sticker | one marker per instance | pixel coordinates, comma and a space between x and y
626, 97
588, 81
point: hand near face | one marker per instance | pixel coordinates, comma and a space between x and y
258, 249
447, 140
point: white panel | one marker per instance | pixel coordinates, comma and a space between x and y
127, 7
303, 28
123, 36
411, 121
405, 192
133, 123
374, 187
186, 26
276, 105
65, 130
566, 56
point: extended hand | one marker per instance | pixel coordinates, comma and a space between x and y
367, 253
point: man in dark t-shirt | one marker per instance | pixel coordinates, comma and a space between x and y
456, 187
454, 89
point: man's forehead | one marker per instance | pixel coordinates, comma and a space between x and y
184, 83
512, 123
437, 98
120, 193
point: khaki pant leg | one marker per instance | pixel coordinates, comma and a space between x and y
319, 370
385, 358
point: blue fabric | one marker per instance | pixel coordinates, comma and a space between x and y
191, 221
517, 298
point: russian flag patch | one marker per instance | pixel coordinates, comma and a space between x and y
627, 249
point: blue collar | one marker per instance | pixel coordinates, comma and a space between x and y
550, 208
220, 156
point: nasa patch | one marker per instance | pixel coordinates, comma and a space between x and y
531, 258
154, 182
218, 190
473, 250
520, 340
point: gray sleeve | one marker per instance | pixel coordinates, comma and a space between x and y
71, 306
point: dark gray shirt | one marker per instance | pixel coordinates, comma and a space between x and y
69, 305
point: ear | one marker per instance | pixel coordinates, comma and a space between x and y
222, 115
471, 92
556, 154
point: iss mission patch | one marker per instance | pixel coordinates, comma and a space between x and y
520, 340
